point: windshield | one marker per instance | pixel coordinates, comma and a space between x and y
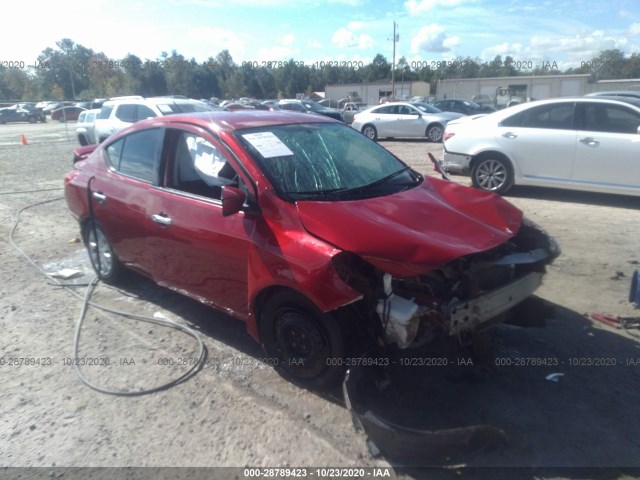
427, 108
312, 105
325, 162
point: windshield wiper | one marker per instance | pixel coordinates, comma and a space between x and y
315, 193
377, 183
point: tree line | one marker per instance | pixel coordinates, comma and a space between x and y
72, 71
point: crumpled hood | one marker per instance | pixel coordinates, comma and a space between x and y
417, 230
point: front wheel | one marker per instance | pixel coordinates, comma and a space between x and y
305, 345
492, 174
103, 259
434, 133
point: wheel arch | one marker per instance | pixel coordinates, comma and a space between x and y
479, 156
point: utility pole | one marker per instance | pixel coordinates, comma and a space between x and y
393, 65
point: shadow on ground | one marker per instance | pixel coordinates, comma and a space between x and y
584, 417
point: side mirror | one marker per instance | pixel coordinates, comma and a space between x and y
232, 200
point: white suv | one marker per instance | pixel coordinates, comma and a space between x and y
120, 112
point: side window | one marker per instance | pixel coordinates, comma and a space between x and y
554, 116
126, 113
599, 117
144, 112
138, 154
200, 167
387, 109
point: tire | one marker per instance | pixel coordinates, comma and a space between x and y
493, 174
304, 345
82, 140
32, 120
435, 133
103, 259
370, 132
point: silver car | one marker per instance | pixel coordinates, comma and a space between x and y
404, 119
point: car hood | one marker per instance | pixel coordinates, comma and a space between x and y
417, 230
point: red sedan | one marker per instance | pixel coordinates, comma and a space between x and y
66, 114
306, 230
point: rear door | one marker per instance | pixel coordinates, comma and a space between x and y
122, 196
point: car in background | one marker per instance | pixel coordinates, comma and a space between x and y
120, 112
232, 209
351, 109
84, 127
461, 105
403, 119
65, 114
310, 106
21, 112
615, 93
582, 143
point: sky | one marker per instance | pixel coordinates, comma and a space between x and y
564, 32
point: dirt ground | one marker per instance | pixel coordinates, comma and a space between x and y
238, 412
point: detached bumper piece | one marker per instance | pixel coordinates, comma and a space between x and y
404, 445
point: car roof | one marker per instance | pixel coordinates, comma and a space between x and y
237, 120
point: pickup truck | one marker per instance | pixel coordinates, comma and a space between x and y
350, 109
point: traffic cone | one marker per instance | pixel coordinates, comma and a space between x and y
23, 139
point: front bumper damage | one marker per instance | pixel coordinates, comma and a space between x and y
466, 295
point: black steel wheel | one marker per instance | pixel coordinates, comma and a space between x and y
304, 345
103, 259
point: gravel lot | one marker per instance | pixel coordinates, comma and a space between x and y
237, 411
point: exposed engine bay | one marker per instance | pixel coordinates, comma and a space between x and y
462, 296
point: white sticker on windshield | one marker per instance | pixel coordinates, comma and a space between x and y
268, 144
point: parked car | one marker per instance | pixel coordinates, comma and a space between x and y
66, 114
615, 93
583, 143
84, 127
460, 105
232, 209
309, 106
120, 112
21, 112
403, 119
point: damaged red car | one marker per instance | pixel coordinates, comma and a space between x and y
311, 233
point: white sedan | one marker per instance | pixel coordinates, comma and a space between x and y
404, 119
582, 143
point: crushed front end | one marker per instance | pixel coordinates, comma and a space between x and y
461, 297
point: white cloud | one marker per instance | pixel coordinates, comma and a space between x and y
634, 30
433, 39
345, 38
288, 39
415, 7
355, 25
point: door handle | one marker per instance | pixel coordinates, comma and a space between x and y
161, 219
100, 197
589, 141
509, 135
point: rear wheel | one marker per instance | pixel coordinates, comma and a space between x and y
305, 345
370, 132
493, 174
103, 259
